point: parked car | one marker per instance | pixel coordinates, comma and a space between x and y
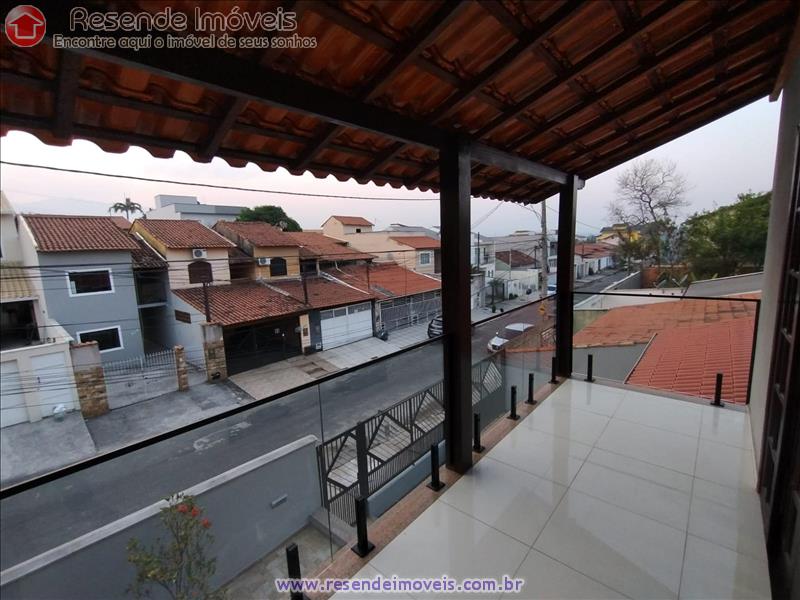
435, 327
551, 288
509, 333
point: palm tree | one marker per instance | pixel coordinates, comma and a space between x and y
127, 207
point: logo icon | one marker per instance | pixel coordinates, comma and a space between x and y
25, 25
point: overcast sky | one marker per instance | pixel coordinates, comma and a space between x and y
732, 155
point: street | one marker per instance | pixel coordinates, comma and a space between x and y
50, 515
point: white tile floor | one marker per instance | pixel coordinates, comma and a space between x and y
601, 493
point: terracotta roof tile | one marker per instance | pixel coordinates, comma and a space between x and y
420, 242
321, 246
387, 280
241, 303
144, 257
687, 360
322, 292
515, 258
257, 233
121, 222
69, 233
345, 220
594, 250
637, 324
177, 234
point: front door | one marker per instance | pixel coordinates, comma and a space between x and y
780, 464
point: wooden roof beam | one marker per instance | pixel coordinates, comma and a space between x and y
402, 55
218, 133
598, 54
642, 120
67, 81
646, 68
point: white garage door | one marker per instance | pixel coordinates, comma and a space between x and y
56, 383
346, 324
12, 400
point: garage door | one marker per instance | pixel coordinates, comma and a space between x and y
55, 381
347, 324
12, 400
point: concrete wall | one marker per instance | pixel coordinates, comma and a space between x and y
776, 245
94, 311
253, 508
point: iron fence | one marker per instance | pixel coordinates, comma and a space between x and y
364, 458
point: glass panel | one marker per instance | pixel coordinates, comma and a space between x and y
400, 402
664, 341
253, 476
518, 343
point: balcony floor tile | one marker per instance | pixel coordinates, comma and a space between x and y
659, 447
512, 501
631, 554
605, 499
553, 580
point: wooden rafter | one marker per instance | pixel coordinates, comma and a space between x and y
405, 53
66, 88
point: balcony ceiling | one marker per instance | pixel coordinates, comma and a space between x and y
578, 86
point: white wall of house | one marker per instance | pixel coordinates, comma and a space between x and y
773, 260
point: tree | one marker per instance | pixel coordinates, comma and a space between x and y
127, 207
274, 215
633, 249
650, 194
729, 240
178, 566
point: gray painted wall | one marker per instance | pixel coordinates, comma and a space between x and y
776, 243
245, 526
95, 311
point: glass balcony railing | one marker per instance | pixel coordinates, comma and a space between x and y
519, 345
667, 341
278, 471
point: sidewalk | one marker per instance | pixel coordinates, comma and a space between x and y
29, 449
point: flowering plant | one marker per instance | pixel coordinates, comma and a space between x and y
178, 565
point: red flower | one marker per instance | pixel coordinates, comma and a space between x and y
195, 511
182, 508
205, 523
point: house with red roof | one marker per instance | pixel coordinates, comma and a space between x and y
340, 225
409, 247
403, 297
90, 283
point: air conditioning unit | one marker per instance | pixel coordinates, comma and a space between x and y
263, 261
199, 253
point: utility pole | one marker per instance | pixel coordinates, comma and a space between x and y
544, 243
206, 303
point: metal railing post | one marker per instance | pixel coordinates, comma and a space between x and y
513, 413
553, 378
476, 433
589, 369
363, 546
361, 459
436, 483
530, 399
718, 392
293, 569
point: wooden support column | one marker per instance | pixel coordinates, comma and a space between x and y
454, 205
565, 275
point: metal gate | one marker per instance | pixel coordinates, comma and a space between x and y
410, 310
361, 460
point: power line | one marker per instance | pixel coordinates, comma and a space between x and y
212, 185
